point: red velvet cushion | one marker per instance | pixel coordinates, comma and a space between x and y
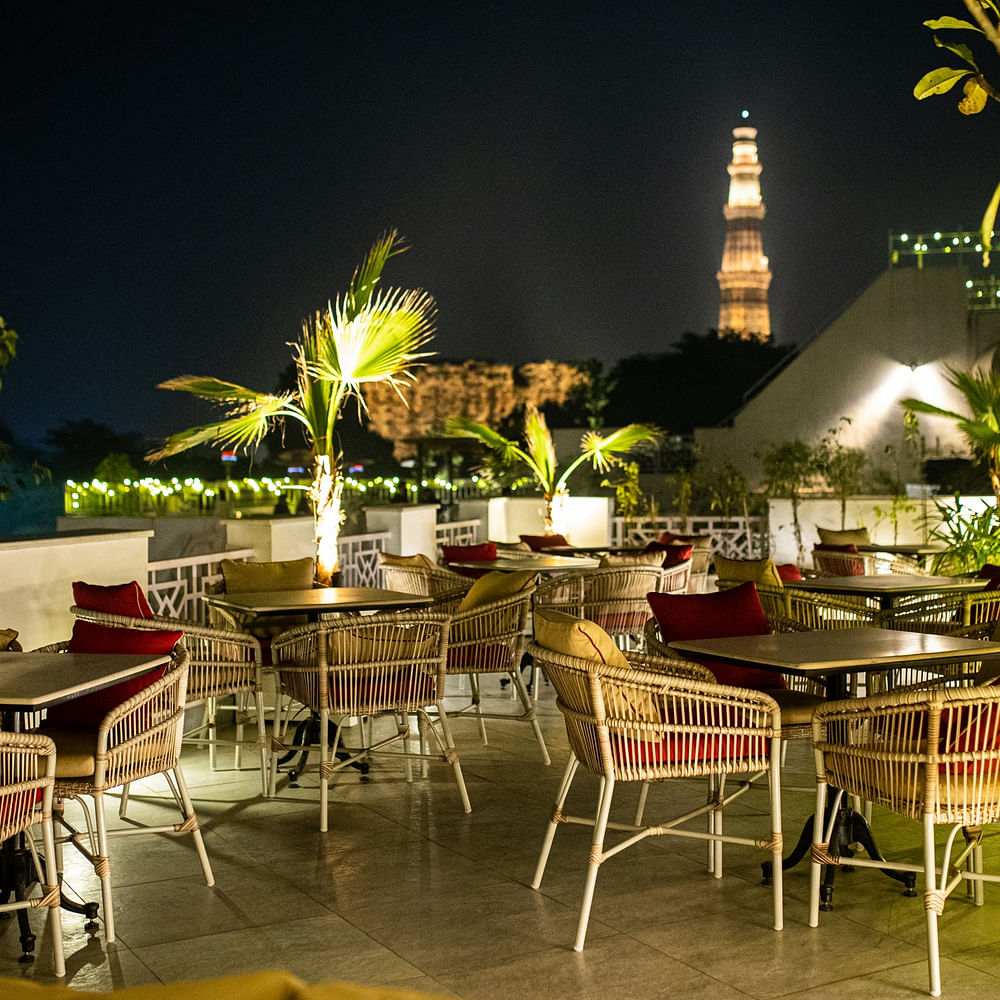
482, 656
737, 611
89, 637
668, 537
788, 571
676, 750
483, 552
121, 599
538, 542
991, 573
673, 555
851, 549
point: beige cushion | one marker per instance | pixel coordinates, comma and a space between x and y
850, 536
7, 636
494, 586
249, 577
418, 561
639, 559
76, 750
797, 707
577, 637
755, 570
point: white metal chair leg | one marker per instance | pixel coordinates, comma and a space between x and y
640, 806
451, 755
596, 852
324, 777
187, 810
209, 717
777, 873
567, 780
815, 868
103, 866
478, 706
55, 916
930, 879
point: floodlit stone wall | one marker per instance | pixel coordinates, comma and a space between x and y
480, 390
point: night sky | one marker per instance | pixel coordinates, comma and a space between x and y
183, 183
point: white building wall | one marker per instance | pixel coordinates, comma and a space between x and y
860, 367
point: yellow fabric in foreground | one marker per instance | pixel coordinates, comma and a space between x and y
270, 985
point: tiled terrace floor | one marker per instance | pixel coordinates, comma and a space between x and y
407, 890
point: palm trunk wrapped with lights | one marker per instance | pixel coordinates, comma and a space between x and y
539, 455
367, 336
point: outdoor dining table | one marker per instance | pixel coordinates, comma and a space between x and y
316, 601
833, 654
887, 588
30, 682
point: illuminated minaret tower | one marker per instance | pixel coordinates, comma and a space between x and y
745, 276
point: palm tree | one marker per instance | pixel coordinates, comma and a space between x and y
367, 336
981, 388
539, 454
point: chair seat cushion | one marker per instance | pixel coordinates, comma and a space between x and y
76, 749
687, 749
644, 558
126, 599
480, 656
715, 616
797, 707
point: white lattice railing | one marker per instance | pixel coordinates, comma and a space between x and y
458, 532
736, 537
359, 559
175, 586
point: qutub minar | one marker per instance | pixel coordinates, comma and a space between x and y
745, 275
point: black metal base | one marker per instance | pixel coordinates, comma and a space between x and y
849, 828
306, 735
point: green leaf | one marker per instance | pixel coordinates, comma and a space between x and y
938, 81
952, 22
987, 225
962, 51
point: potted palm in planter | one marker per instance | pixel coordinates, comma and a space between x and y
368, 335
538, 455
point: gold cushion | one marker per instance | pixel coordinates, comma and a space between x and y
742, 570
850, 536
76, 750
494, 586
577, 637
350, 646
249, 577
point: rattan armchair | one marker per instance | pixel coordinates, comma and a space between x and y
141, 738
385, 666
932, 756
814, 610
614, 598
224, 664
946, 614
641, 723
421, 576
27, 777
489, 639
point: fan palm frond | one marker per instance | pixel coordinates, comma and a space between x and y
538, 440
